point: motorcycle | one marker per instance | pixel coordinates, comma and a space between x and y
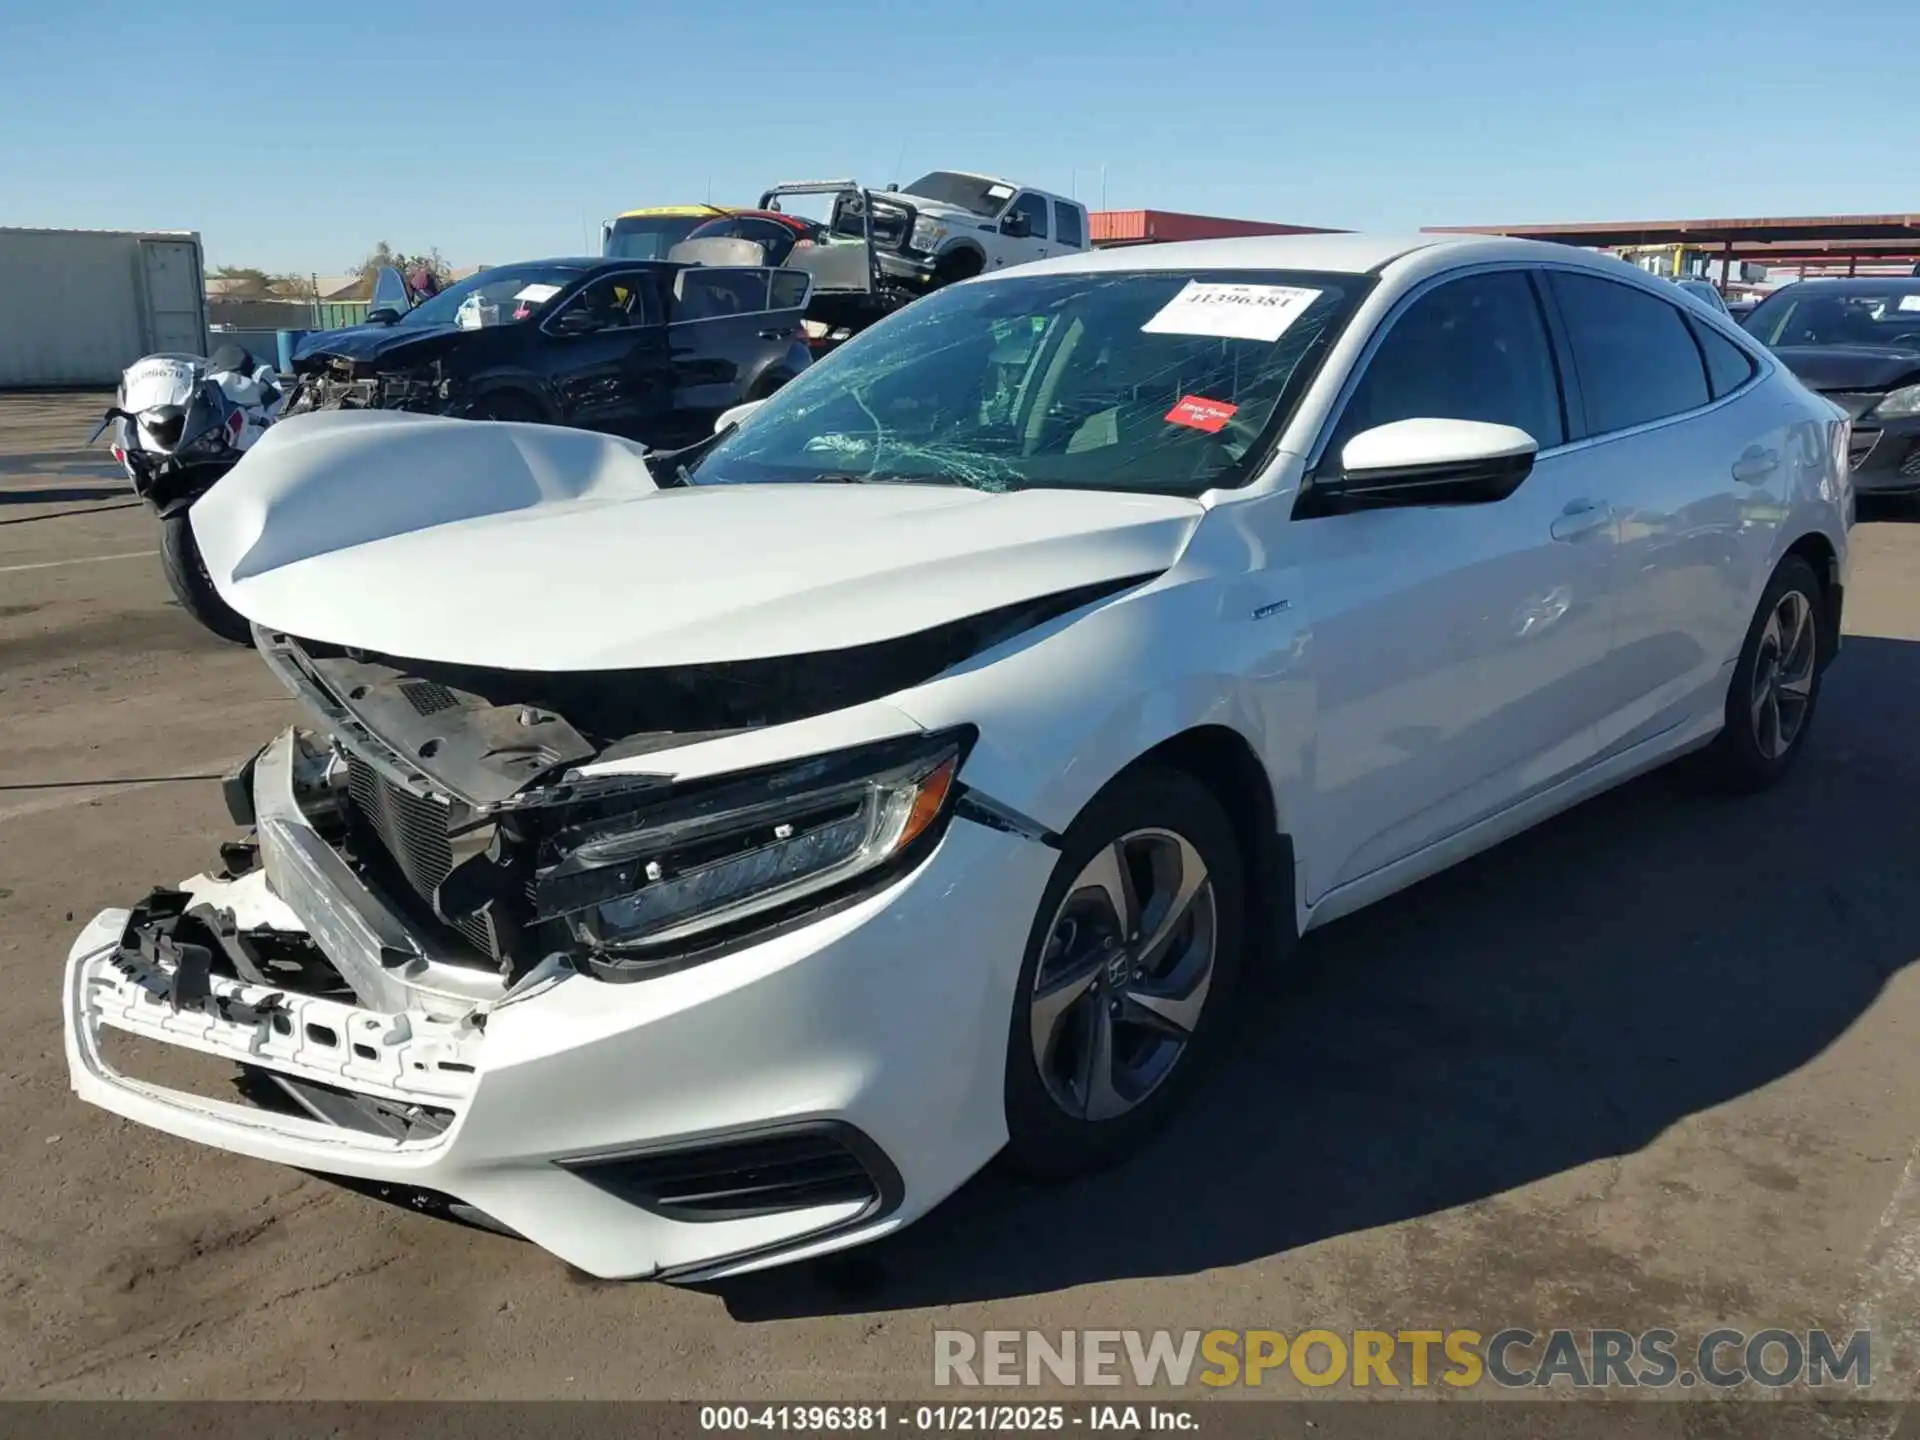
183, 422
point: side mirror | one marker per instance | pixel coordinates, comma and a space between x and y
383, 316
730, 418
1431, 462
1017, 226
577, 321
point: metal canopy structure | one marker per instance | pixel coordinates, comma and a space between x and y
1778, 240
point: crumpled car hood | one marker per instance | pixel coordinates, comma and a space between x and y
367, 342
533, 547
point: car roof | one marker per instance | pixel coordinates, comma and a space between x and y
1338, 252
675, 210
796, 222
585, 264
976, 175
1864, 284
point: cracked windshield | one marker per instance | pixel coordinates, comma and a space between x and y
1157, 381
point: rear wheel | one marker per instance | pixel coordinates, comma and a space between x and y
192, 586
1130, 969
1776, 684
767, 384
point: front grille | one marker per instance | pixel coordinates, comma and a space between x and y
733, 1180
413, 831
1860, 445
411, 828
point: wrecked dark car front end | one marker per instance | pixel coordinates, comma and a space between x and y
408, 377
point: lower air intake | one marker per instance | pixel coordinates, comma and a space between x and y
770, 1174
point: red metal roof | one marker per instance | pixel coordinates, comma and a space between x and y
1829, 229
1146, 227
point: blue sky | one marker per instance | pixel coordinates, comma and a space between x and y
294, 136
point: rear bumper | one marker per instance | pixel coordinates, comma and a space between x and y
876, 1033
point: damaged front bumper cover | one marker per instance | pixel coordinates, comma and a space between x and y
792, 1097
344, 386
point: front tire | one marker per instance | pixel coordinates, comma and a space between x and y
767, 385
192, 586
1776, 684
957, 265
1129, 972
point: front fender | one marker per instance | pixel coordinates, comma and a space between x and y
1064, 709
469, 390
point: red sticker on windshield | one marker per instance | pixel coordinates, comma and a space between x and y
1208, 415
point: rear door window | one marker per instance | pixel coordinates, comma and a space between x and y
703, 292
1728, 366
1634, 352
1066, 224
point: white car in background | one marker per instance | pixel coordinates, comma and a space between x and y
698, 870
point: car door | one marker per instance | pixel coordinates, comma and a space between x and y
1692, 461
1017, 248
1457, 651
603, 352
1069, 227
718, 325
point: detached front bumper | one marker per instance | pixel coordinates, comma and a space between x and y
804, 1094
913, 270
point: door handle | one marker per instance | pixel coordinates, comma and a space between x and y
1579, 517
1755, 465
774, 334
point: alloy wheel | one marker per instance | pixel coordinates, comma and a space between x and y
1122, 982
1783, 675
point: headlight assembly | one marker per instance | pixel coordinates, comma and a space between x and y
685, 867
1899, 405
927, 233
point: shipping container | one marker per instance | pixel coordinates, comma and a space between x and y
1114, 228
78, 306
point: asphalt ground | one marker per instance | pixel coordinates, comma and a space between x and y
1651, 1065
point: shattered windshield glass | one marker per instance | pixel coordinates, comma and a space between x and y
1145, 380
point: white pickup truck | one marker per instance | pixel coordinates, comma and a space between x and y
878, 249
965, 224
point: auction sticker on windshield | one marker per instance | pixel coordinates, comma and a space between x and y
1202, 414
537, 293
1910, 302
1232, 312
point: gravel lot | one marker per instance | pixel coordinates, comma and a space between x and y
1651, 1065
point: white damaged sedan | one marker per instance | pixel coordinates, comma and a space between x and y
694, 863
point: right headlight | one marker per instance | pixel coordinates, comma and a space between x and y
927, 234
683, 868
1898, 405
